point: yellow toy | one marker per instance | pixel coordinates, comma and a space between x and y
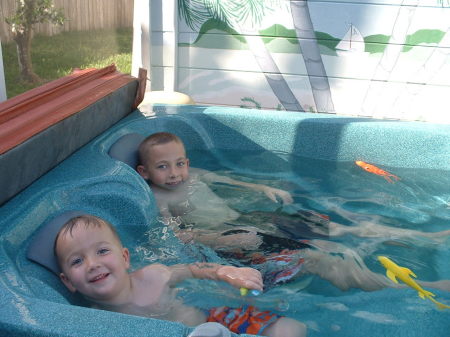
254, 292
394, 271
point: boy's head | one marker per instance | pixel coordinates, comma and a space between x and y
163, 161
92, 258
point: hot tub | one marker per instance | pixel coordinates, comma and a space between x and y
34, 302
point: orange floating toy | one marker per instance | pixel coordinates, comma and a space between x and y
376, 170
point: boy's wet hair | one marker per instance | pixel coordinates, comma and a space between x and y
86, 220
158, 138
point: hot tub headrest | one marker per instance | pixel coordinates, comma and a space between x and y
41, 247
126, 148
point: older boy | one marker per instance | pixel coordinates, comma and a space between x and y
183, 192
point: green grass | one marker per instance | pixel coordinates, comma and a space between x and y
56, 56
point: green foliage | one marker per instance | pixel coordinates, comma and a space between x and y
56, 56
30, 12
252, 101
376, 43
284, 40
327, 40
278, 30
218, 25
254, 104
192, 12
222, 10
207, 32
425, 36
289, 35
196, 12
256, 9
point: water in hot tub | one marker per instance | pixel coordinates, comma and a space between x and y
347, 195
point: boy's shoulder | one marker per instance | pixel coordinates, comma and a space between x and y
155, 271
197, 172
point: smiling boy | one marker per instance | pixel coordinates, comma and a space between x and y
94, 263
182, 191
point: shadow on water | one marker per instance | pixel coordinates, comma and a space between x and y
332, 138
223, 139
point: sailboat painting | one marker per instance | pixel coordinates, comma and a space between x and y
352, 43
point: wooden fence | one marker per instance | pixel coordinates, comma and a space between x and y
80, 15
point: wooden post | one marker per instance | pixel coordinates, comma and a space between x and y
141, 39
2, 77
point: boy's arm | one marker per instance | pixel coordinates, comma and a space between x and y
271, 192
238, 277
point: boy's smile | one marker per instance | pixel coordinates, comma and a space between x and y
167, 166
99, 278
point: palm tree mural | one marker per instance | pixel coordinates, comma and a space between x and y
317, 75
406, 101
240, 15
378, 85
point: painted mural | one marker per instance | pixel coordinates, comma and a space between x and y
379, 58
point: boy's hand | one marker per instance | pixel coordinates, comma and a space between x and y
273, 193
241, 277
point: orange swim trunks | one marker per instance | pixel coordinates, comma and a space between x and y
245, 319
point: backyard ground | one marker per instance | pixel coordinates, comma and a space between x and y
56, 56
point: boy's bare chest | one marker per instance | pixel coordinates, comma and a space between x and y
154, 301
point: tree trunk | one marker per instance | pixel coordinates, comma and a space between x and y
311, 56
379, 89
406, 102
23, 42
271, 71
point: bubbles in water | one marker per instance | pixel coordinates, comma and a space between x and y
334, 306
282, 305
380, 318
335, 327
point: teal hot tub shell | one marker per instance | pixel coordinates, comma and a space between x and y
33, 300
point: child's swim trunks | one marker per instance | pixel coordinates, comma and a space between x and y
303, 224
245, 319
278, 259
280, 268
271, 243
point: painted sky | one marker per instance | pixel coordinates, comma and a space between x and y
376, 17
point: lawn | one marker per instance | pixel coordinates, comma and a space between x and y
56, 56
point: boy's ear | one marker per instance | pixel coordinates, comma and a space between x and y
67, 282
126, 257
142, 171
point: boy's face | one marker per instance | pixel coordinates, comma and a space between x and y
93, 262
167, 166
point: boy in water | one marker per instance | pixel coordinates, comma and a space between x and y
94, 263
182, 191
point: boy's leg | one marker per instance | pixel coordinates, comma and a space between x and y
275, 244
442, 284
345, 271
229, 241
366, 229
300, 225
286, 327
